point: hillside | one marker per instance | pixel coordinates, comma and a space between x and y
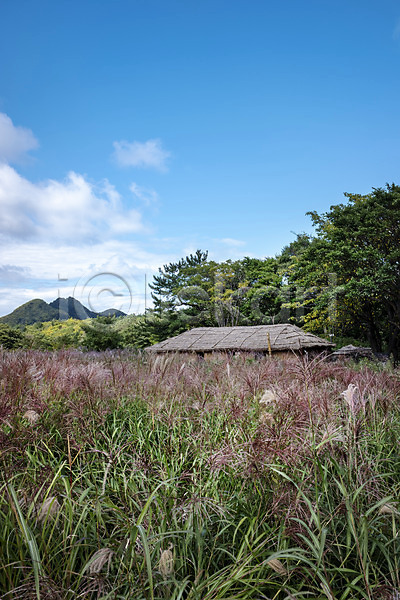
31, 312
39, 311
73, 308
112, 312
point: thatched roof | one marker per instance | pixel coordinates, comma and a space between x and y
256, 338
355, 352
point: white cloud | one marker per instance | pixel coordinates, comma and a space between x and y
147, 196
11, 297
13, 274
15, 142
108, 274
71, 237
47, 261
145, 155
73, 209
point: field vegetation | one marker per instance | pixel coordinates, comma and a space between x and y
125, 476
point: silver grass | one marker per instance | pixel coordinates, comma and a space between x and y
166, 564
49, 509
268, 397
99, 559
277, 566
31, 416
388, 509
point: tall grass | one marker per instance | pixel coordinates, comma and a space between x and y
155, 478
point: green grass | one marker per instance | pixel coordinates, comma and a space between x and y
256, 502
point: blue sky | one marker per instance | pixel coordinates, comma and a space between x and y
135, 131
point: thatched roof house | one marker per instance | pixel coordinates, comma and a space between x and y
258, 339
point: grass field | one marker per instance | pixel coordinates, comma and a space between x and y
127, 476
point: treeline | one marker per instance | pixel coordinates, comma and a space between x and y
343, 283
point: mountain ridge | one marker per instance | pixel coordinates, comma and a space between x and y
39, 311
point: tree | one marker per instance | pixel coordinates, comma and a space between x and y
198, 292
186, 292
175, 277
100, 334
260, 298
355, 261
145, 330
10, 337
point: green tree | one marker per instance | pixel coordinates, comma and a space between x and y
174, 277
291, 254
198, 292
10, 337
182, 294
145, 330
100, 334
297, 299
260, 294
355, 262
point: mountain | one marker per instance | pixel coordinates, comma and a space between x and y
32, 312
112, 312
39, 311
73, 308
